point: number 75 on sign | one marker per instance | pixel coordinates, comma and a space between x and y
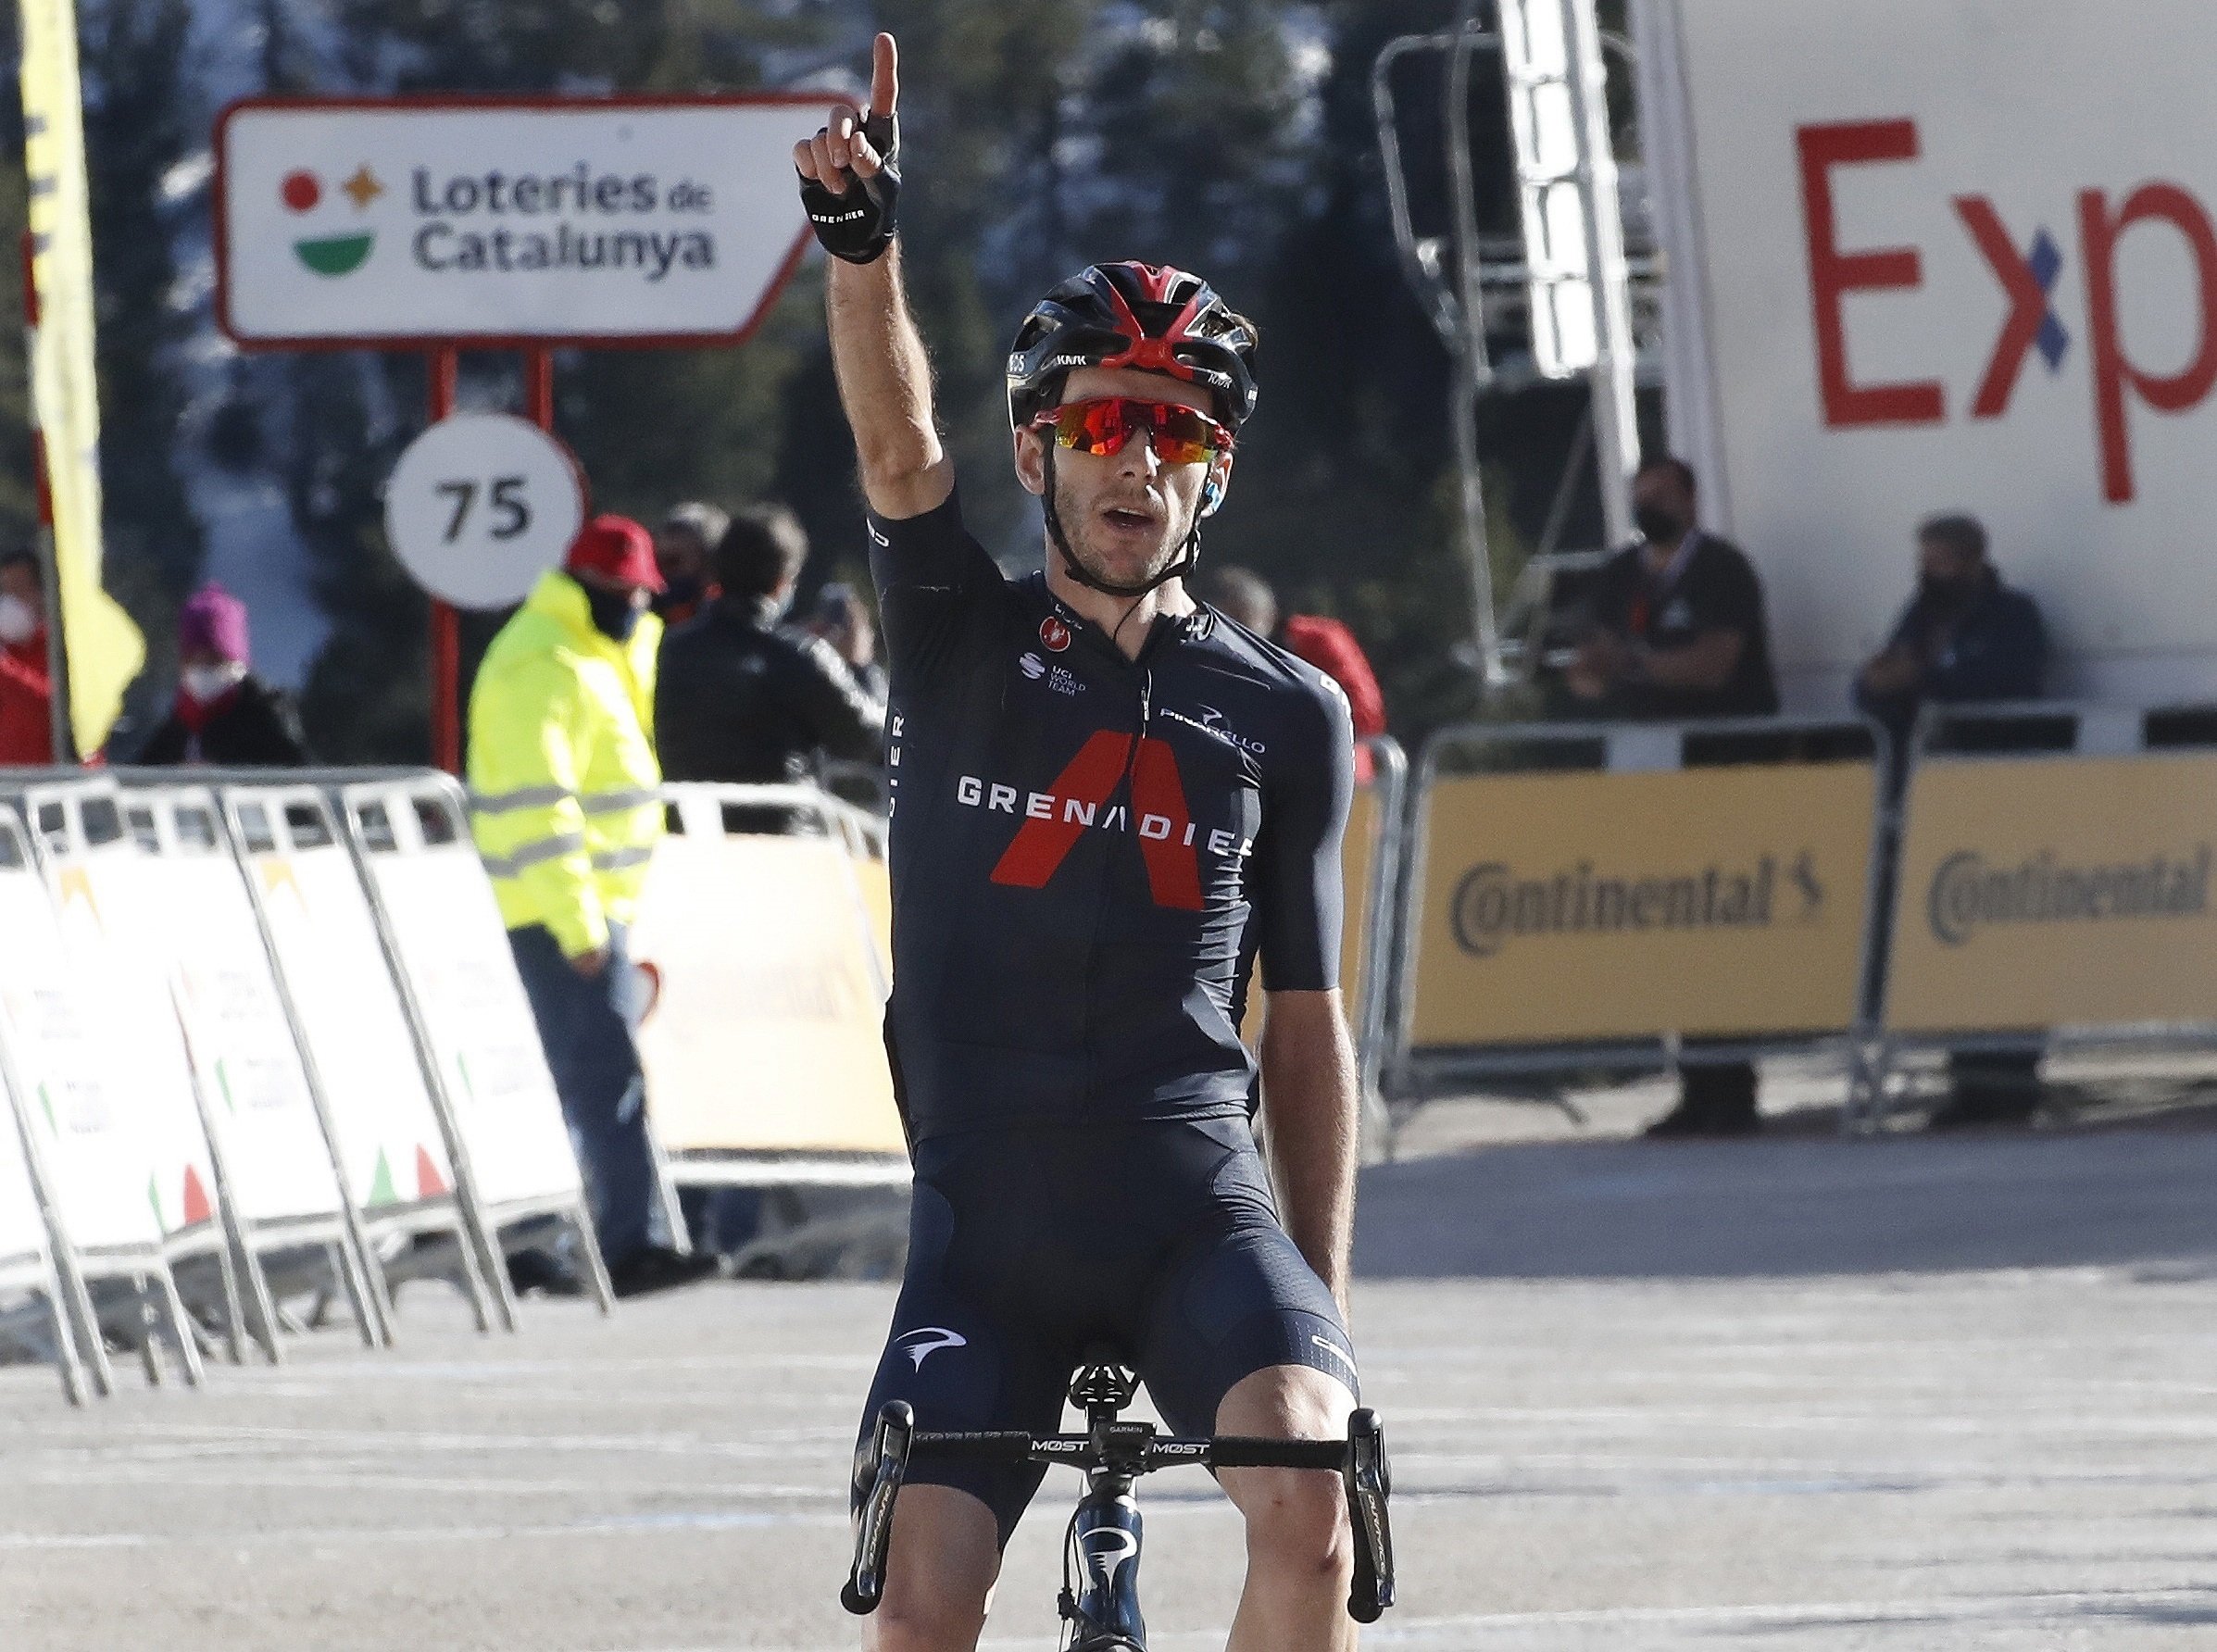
480, 506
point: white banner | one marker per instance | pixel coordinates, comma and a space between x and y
1962, 257
241, 1044
388, 1134
589, 220
99, 1144
22, 1228
456, 955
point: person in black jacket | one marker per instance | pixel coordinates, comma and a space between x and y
745, 698
224, 716
1964, 636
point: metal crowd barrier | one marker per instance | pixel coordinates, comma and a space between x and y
1586, 896
2053, 885
258, 1032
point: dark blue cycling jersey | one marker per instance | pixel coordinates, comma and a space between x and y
1088, 851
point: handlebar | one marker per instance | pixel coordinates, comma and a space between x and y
1132, 1449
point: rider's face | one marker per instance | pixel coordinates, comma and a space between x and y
1126, 514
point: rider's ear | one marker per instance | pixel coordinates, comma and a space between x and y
1030, 461
1212, 490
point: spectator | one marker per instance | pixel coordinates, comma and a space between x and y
1675, 625
842, 619
1964, 637
1244, 595
1674, 632
564, 810
683, 547
26, 687
748, 700
224, 715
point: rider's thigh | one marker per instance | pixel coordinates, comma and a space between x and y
1296, 1518
940, 1569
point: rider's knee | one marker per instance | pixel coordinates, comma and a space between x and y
923, 1620
1298, 1525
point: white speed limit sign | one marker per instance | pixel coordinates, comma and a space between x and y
481, 505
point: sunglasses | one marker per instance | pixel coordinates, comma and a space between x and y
1182, 436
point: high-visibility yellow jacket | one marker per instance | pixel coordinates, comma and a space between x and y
562, 769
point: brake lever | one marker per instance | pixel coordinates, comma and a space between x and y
889, 1445
1369, 1482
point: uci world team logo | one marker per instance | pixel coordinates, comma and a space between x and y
327, 217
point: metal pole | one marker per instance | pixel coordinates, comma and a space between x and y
445, 624
1616, 417
1471, 368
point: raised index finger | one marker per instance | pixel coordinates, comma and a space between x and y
885, 75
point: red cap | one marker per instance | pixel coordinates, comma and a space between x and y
617, 547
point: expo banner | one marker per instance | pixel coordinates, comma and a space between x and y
1939, 263
1579, 908
383, 222
2048, 892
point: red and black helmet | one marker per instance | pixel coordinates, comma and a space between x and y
1146, 316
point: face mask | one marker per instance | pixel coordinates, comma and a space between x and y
207, 683
678, 593
18, 620
1943, 591
613, 615
1658, 525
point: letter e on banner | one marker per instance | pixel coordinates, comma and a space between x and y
2113, 373
1832, 274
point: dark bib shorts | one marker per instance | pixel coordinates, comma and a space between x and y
1028, 1246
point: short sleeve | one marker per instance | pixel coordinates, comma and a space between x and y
931, 572
1298, 881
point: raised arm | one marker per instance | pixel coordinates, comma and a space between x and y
851, 183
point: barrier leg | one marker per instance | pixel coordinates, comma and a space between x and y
85, 1326
150, 1357
181, 1330
263, 1307
65, 1344
673, 1214
235, 1310
343, 1262
588, 1245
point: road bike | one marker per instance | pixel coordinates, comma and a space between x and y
1100, 1568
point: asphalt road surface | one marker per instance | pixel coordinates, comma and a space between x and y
1798, 1393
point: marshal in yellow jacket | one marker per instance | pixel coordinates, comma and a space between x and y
562, 768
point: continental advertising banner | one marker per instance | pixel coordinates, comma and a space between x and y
2056, 891
1574, 907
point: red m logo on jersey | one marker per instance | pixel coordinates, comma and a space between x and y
1074, 803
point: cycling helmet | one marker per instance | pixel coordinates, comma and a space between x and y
1146, 316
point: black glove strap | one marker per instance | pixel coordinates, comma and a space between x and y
860, 225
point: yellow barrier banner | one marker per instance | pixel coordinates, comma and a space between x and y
1725, 902
768, 1032
2043, 892
103, 647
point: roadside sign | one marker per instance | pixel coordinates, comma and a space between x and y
419, 222
480, 506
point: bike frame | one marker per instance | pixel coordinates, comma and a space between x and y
1106, 1534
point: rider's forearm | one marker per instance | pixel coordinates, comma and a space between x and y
1311, 1109
886, 384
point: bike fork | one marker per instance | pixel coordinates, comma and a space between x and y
1103, 1542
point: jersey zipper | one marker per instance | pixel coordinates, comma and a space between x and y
1125, 789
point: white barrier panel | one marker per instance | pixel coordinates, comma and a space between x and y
451, 945
25, 1249
766, 1037
78, 1101
188, 899
390, 1141
101, 1052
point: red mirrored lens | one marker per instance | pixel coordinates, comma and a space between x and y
1182, 436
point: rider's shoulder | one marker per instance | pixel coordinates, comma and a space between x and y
1268, 664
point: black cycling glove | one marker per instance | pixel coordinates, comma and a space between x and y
858, 226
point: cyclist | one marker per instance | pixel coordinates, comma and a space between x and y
1110, 799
